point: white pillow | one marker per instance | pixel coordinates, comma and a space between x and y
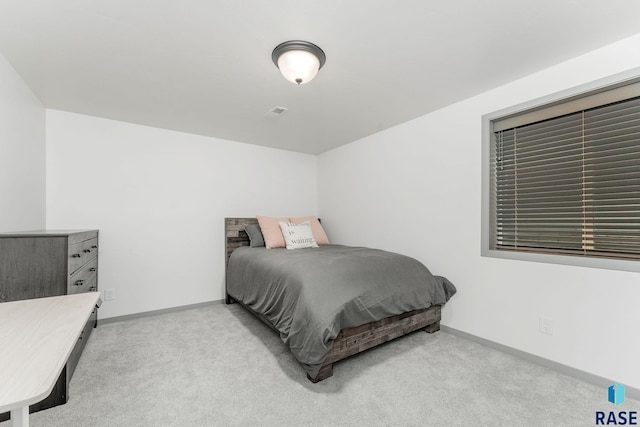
298, 236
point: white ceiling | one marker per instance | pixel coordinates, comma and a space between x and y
204, 66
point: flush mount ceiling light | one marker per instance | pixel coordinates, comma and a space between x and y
298, 61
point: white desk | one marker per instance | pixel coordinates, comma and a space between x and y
36, 339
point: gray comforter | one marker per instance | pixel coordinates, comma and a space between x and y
309, 295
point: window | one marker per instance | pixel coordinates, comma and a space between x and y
564, 177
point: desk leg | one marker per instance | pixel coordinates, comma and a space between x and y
20, 417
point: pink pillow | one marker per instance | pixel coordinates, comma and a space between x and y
316, 228
271, 231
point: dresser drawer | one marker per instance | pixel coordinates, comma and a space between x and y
84, 278
82, 252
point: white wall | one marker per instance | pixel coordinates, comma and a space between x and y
22, 154
415, 189
159, 199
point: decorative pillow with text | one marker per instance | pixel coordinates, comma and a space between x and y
298, 236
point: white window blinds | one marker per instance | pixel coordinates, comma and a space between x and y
569, 184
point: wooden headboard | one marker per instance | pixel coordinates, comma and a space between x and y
234, 235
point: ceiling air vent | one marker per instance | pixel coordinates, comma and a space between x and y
276, 112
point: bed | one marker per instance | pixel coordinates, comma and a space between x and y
348, 331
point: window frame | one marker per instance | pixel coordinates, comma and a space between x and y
487, 243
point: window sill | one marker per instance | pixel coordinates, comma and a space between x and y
571, 260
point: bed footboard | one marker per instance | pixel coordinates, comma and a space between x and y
352, 341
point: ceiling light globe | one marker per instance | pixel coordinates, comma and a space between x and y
298, 66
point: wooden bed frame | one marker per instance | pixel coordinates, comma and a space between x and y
349, 341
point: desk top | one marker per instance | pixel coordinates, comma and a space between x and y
37, 337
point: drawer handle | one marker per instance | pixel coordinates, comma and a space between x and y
76, 256
94, 247
87, 251
92, 269
79, 283
93, 289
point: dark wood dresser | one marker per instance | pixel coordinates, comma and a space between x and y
35, 264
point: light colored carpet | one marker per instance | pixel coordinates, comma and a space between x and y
220, 366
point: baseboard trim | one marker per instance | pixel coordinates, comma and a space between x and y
157, 312
599, 381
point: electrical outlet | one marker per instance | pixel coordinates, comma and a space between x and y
108, 294
546, 326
